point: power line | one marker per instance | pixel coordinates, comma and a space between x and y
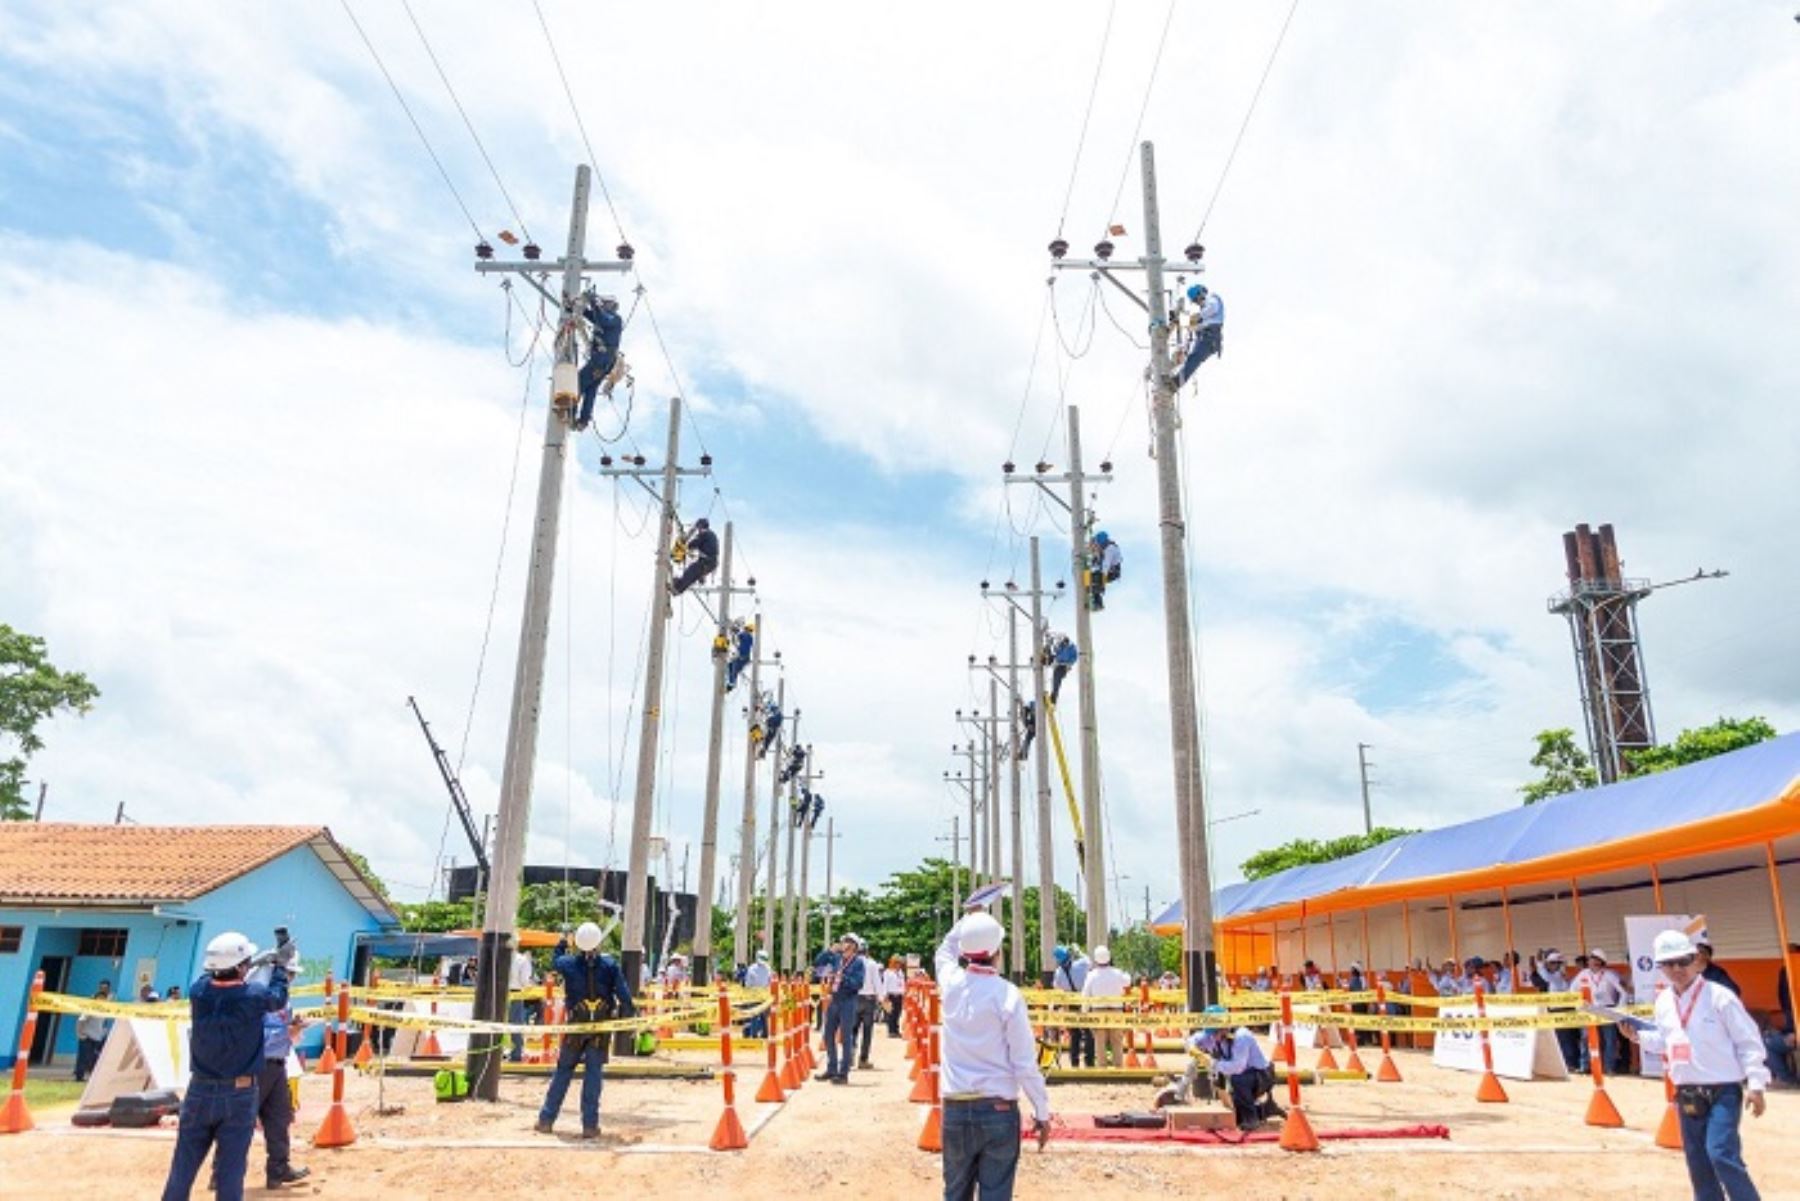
593, 159
1093, 91
1248, 113
467, 124
407, 109
1131, 147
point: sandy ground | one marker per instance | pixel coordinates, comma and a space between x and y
860, 1138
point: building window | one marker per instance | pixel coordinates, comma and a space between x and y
106, 944
10, 939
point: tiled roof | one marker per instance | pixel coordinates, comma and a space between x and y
51, 862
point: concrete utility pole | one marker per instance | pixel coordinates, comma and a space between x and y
715, 760
774, 834
968, 784
830, 891
806, 840
1362, 769
643, 801
1015, 907
747, 829
955, 841
1041, 766
1184, 725
993, 779
494, 960
1080, 519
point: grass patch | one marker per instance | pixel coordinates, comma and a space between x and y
47, 1094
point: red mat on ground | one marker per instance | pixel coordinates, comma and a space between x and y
1080, 1128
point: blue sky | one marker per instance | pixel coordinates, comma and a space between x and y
1487, 277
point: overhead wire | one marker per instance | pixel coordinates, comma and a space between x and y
593, 159
1087, 116
463, 113
1162, 42
1244, 126
417, 128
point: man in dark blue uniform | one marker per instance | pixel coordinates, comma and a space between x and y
225, 1053
703, 557
609, 328
840, 1015
594, 990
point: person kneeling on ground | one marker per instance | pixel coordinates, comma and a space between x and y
1239, 1059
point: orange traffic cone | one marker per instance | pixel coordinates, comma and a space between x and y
1489, 1089
1387, 1073
1668, 1132
1602, 1112
1327, 1061
328, 1061
1297, 1133
1353, 1063
336, 1130
729, 1134
364, 1056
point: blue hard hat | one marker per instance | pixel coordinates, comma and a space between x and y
1215, 1009
1103, 537
1062, 954
1196, 292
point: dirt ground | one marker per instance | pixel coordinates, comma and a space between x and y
861, 1137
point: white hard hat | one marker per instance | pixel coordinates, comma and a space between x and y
981, 934
1671, 944
227, 951
1102, 956
587, 936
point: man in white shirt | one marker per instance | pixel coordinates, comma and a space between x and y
989, 1056
518, 1011
1310, 979
1106, 981
1448, 981
1072, 969
1607, 990
757, 976
893, 993
1552, 975
868, 1004
1715, 1058
1209, 331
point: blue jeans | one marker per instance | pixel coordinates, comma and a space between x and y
87, 1054
981, 1149
840, 1035
515, 1016
1775, 1051
1715, 1157
590, 1053
1609, 1050
213, 1115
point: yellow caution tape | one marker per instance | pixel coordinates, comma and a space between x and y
1121, 1020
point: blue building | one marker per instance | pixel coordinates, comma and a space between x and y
136, 906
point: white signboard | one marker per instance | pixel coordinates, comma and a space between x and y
1640, 936
1518, 1054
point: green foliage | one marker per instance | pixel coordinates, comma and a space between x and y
908, 914
433, 917
32, 690
1691, 746
1309, 850
556, 906
1566, 766
1139, 952
361, 864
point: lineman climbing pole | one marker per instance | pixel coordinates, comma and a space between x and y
643, 801
774, 835
806, 839
747, 831
715, 761
494, 962
1080, 518
1184, 726
788, 955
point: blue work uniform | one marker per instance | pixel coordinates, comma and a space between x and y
225, 1055
840, 1020
609, 328
594, 990
746, 646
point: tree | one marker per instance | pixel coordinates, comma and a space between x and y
361, 864
1141, 952
1703, 742
1566, 766
433, 917
32, 690
1307, 850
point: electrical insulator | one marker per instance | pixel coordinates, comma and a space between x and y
606, 460
1103, 251
1195, 252
1058, 248
533, 251
1044, 468
1106, 467
1006, 468
984, 585
625, 252
706, 460
638, 460
483, 251
751, 581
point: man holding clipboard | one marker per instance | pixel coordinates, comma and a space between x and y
1715, 1058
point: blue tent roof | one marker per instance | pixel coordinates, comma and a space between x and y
1746, 779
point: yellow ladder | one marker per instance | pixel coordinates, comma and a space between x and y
1062, 764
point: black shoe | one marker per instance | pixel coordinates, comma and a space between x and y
825, 1076
865, 1064
544, 1127
590, 1134
838, 1079
288, 1175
